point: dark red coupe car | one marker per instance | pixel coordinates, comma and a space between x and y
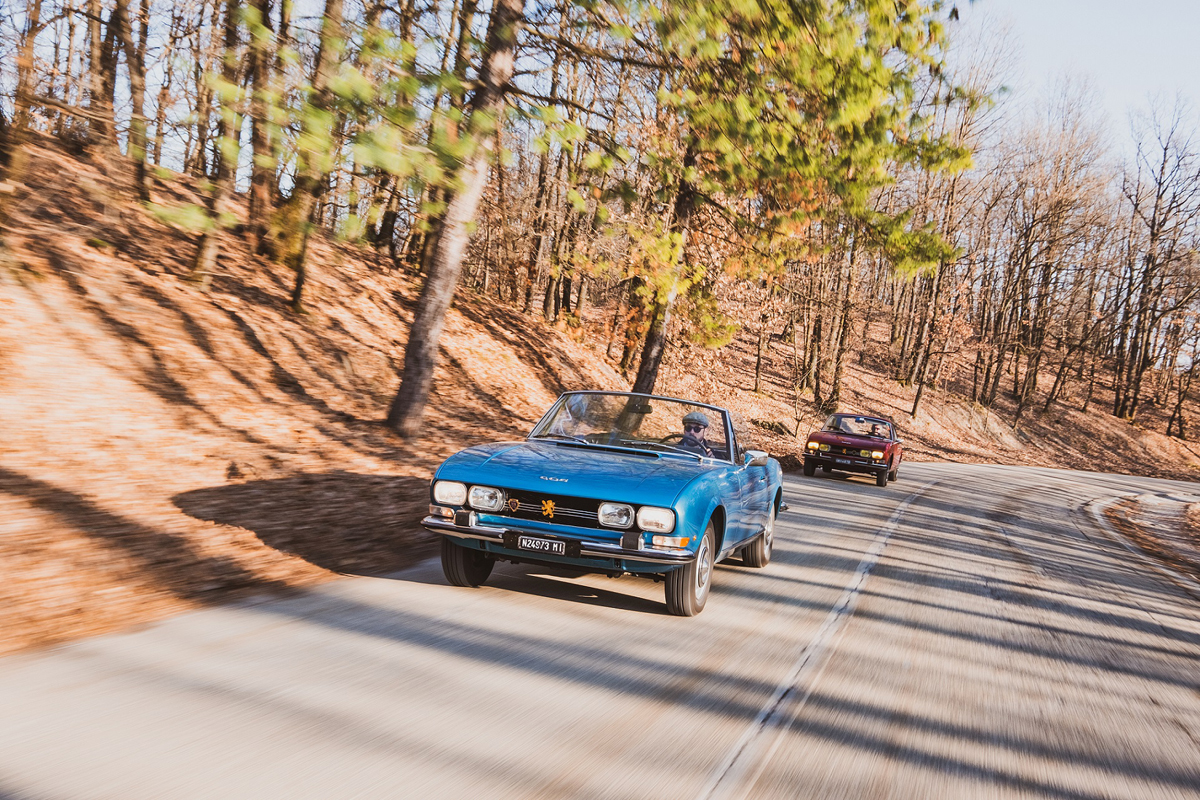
855, 443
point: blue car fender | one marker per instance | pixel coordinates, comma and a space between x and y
698, 502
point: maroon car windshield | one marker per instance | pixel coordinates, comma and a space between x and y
852, 425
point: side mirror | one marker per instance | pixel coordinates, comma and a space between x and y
756, 458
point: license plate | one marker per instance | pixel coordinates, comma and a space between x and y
552, 546
843, 461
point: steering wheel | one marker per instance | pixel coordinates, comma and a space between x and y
671, 438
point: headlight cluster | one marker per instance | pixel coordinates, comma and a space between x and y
611, 515
482, 498
485, 498
658, 520
649, 518
876, 454
615, 515
451, 493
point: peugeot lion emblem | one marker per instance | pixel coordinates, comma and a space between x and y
548, 508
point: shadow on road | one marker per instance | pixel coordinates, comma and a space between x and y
341, 521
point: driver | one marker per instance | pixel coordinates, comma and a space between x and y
695, 424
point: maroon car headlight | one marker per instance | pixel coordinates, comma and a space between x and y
811, 445
876, 454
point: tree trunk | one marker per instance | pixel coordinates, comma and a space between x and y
758, 358
296, 216
487, 106
164, 89
262, 148
656, 334
205, 262
100, 123
12, 151
135, 62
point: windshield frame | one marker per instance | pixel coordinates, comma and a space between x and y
726, 423
891, 426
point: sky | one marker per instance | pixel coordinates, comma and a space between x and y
1128, 49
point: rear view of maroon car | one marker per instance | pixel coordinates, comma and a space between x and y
855, 443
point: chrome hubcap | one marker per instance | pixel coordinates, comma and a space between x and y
703, 568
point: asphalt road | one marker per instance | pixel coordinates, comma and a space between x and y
969, 631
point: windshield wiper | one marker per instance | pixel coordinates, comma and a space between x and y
670, 448
564, 436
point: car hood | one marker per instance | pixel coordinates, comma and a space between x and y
848, 440
577, 471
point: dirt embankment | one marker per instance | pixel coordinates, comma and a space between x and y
163, 448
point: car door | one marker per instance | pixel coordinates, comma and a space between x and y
755, 487
758, 497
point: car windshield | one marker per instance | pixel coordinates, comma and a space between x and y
625, 420
858, 426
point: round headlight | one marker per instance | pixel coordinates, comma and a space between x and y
615, 515
659, 520
452, 493
485, 498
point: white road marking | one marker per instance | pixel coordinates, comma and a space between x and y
750, 754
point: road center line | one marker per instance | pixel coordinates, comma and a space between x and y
743, 761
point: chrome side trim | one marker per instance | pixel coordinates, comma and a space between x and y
489, 533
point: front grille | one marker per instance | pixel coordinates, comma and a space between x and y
851, 451
578, 511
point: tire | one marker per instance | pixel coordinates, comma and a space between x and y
809, 469
688, 586
894, 474
758, 553
881, 478
464, 566
827, 470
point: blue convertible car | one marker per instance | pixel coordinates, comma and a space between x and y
611, 482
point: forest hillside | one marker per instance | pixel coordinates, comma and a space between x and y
164, 445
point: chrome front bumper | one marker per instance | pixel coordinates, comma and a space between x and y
490, 533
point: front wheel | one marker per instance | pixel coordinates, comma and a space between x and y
809, 469
881, 478
687, 587
758, 552
894, 473
463, 566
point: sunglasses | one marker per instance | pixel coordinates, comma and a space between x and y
694, 428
